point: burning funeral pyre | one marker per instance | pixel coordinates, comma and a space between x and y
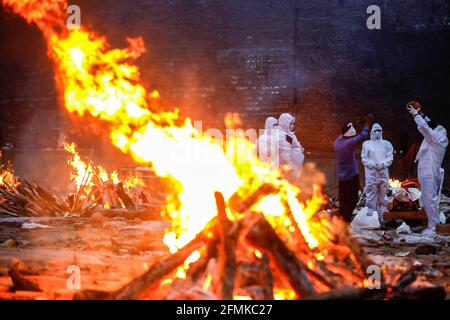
94, 189
237, 227
405, 195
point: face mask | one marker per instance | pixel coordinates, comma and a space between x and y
377, 135
292, 126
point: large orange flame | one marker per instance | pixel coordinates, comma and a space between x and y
83, 172
105, 84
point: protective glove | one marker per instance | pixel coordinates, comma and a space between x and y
371, 166
379, 166
414, 112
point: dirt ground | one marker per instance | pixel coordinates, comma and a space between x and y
397, 253
111, 252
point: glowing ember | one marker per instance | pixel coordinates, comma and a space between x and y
7, 175
258, 254
207, 283
284, 294
393, 183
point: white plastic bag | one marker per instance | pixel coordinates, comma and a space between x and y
442, 218
365, 219
404, 229
414, 194
34, 225
406, 195
400, 194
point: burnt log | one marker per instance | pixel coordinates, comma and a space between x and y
349, 293
112, 195
92, 295
124, 197
226, 266
304, 253
405, 280
156, 273
402, 289
302, 245
97, 195
428, 293
266, 277
198, 268
159, 270
359, 257
261, 235
20, 283
248, 274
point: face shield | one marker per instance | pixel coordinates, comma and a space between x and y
377, 134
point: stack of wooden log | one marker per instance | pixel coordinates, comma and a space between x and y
402, 199
29, 199
26, 198
247, 257
407, 209
110, 195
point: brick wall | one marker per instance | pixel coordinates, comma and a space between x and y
315, 58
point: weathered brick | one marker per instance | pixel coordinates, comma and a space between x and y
258, 58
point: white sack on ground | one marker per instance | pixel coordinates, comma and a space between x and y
365, 219
404, 229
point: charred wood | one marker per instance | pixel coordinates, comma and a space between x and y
229, 233
262, 236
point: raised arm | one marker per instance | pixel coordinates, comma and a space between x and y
363, 135
414, 109
424, 128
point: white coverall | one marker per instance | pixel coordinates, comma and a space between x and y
268, 142
290, 149
377, 156
431, 175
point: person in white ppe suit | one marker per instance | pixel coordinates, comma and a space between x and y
268, 142
429, 158
377, 156
290, 150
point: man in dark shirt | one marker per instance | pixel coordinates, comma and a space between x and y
348, 172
